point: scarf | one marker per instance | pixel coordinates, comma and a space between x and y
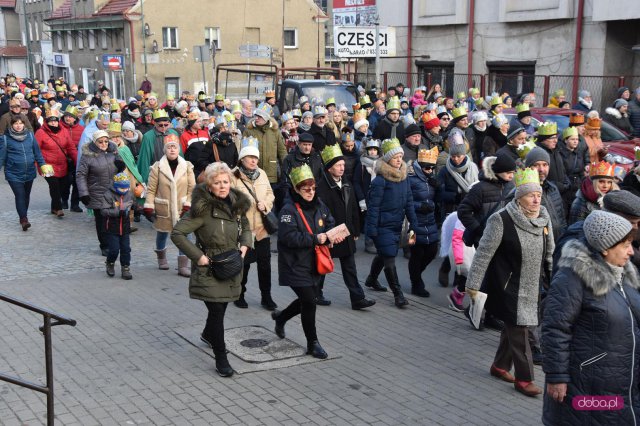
470, 174
251, 174
135, 113
393, 126
304, 126
19, 136
133, 139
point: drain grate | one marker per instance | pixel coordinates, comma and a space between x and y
254, 343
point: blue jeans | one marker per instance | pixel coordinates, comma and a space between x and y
118, 244
22, 194
161, 241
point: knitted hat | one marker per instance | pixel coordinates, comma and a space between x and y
604, 230
584, 94
515, 131
411, 130
620, 103
264, 111
623, 202
480, 116
121, 183
535, 155
391, 147
99, 134
527, 181
503, 163
457, 149
249, 146
127, 125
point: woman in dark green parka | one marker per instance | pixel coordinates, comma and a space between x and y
218, 220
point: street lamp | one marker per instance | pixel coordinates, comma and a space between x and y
319, 19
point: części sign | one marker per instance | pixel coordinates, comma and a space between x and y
359, 42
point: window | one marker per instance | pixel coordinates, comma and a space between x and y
103, 39
58, 38
30, 31
169, 37
37, 31
172, 86
92, 39
437, 72
290, 38
69, 40
511, 77
212, 35
80, 39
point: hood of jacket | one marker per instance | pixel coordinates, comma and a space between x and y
487, 169
390, 173
91, 149
592, 269
613, 112
202, 201
272, 124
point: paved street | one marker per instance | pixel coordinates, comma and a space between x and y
126, 363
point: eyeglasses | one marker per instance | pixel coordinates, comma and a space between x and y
163, 124
101, 141
308, 189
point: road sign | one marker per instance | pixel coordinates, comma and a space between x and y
201, 53
254, 48
359, 42
113, 62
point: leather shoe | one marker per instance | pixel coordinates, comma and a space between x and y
279, 328
362, 304
222, 365
76, 209
321, 301
420, 292
527, 388
268, 303
502, 374
241, 303
315, 350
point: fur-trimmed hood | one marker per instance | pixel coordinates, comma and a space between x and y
613, 112
203, 201
273, 124
593, 270
90, 149
487, 169
390, 173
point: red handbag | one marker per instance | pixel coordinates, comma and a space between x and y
324, 262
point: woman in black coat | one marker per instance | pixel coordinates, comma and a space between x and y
296, 254
590, 329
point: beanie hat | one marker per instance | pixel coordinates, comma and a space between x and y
498, 120
307, 114
584, 94
620, 103
535, 155
604, 230
457, 149
127, 125
503, 163
623, 202
623, 89
390, 148
249, 146
515, 131
121, 183
411, 130
99, 134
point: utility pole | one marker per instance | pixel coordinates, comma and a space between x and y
378, 68
144, 38
27, 40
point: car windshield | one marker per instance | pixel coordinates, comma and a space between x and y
342, 94
608, 132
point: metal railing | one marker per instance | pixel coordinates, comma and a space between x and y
51, 319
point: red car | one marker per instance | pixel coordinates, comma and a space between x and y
621, 147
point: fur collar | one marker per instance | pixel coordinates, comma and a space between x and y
487, 170
273, 124
614, 112
592, 269
90, 149
390, 173
203, 201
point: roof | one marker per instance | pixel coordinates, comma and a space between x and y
64, 11
116, 7
8, 3
14, 51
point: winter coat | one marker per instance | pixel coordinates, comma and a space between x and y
451, 194
388, 202
512, 253
552, 201
18, 158
634, 116
343, 206
411, 152
585, 202
423, 190
417, 99
296, 246
470, 136
631, 181
557, 173
615, 117
168, 193
56, 148
322, 136
116, 217
75, 132
452, 245
512, 152
590, 335
478, 138
200, 154
296, 159
362, 176
493, 141
261, 188
189, 137
483, 199
351, 162
271, 146
85, 138
227, 152
152, 150
94, 176
219, 227
581, 107
383, 130
5, 122
374, 119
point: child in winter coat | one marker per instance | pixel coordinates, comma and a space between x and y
117, 226
459, 254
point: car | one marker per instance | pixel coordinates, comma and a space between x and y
289, 91
621, 147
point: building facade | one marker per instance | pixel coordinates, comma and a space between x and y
13, 53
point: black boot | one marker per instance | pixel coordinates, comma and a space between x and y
267, 302
279, 328
111, 270
241, 303
320, 300
372, 280
443, 272
418, 289
222, 364
315, 350
394, 283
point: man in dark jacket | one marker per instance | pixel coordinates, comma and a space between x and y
339, 196
548, 140
390, 126
322, 136
634, 112
412, 143
303, 153
226, 149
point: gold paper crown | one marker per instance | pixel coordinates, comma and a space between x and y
496, 100
364, 99
300, 174
171, 138
160, 113
267, 94
569, 132
522, 108
428, 155
114, 107
525, 176
52, 113
193, 116
393, 103
428, 116
114, 127
601, 169
461, 95
330, 101
548, 128
459, 112
330, 152
359, 115
389, 144
72, 111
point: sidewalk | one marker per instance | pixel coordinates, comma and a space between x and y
125, 363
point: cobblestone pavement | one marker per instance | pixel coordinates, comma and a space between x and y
125, 364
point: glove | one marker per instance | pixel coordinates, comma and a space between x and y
120, 166
363, 205
149, 214
473, 293
468, 237
185, 209
85, 200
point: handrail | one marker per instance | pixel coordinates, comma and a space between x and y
46, 330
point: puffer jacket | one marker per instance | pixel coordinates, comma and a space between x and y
75, 132
116, 217
262, 191
634, 116
94, 176
18, 158
56, 148
585, 202
219, 227
272, 149
388, 202
484, 198
424, 191
591, 337
615, 117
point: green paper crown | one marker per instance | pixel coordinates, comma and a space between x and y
300, 174
568, 132
548, 128
524, 149
393, 103
479, 101
522, 108
459, 112
389, 144
160, 113
364, 99
330, 101
496, 100
637, 152
219, 97
330, 152
474, 90
461, 95
524, 176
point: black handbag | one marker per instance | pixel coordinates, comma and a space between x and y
225, 265
269, 220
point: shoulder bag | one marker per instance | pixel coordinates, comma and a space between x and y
269, 220
70, 164
324, 262
225, 265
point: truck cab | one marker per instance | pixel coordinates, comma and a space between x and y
290, 90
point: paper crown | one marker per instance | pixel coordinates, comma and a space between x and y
52, 113
364, 100
220, 121
525, 176
636, 151
114, 107
429, 156
522, 108
300, 174
297, 113
319, 110
525, 148
359, 115
103, 116
461, 95
235, 107
601, 169
594, 122
160, 114
389, 144
548, 128
114, 127
393, 103
428, 116
347, 135
219, 97
269, 94
496, 100
202, 97
372, 143
331, 101
59, 89
330, 152
264, 109
459, 112
303, 100
479, 101
193, 116
474, 91
171, 138
72, 111
249, 141
558, 93
569, 132
499, 120
576, 119
286, 117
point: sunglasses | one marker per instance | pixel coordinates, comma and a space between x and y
163, 124
308, 189
427, 167
445, 119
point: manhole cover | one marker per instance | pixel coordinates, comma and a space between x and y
254, 343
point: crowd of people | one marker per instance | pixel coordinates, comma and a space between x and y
541, 221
